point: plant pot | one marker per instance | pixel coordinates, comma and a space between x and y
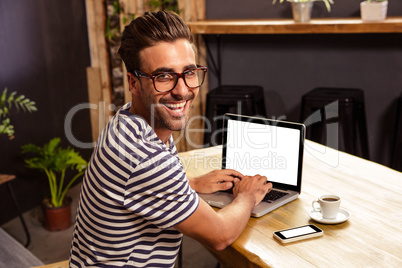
57, 219
302, 11
374, 11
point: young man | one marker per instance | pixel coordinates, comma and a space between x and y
136, 201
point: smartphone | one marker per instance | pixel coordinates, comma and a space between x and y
298, 233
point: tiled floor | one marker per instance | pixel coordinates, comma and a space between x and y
52, 247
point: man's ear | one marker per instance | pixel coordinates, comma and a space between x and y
134, 84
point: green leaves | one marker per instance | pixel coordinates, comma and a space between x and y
6, 128
53, 157
326, 2
55, 161
7, 102
168, 5
20, 102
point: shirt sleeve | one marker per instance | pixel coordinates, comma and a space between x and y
159, 191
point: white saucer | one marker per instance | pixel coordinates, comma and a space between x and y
343, 215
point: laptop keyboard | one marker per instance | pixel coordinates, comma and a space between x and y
269, 197
273, 195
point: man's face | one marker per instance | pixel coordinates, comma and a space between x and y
166, 110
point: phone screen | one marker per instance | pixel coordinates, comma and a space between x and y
298, 231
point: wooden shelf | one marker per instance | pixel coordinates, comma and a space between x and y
287, 26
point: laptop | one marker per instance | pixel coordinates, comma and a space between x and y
272, 148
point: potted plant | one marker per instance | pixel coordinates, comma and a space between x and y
6, 103
302, 9
55, 162
373, 10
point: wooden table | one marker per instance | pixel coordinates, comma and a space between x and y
61, 264
372, 237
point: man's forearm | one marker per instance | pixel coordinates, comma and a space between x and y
219, 229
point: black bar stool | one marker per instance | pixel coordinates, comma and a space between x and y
397, 148
246, 100
322, 108
5, 178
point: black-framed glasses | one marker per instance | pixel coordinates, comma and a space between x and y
167, 81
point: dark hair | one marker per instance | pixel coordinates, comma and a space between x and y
146, 31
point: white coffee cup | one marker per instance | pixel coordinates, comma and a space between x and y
328, 205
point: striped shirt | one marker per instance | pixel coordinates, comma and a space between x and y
134, 191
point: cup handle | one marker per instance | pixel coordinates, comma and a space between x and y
314, 207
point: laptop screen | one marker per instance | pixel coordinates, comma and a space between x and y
267, 147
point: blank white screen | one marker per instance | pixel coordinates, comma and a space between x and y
298, 231
267, 150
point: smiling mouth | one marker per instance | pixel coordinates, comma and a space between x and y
176, 107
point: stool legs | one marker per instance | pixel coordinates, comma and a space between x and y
246, 100
19, 214
396, 158
350, 118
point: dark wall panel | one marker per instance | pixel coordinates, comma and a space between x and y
43, 55
263, 9
288, 66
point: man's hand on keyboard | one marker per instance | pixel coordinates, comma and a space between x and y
256, 186
216, 180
